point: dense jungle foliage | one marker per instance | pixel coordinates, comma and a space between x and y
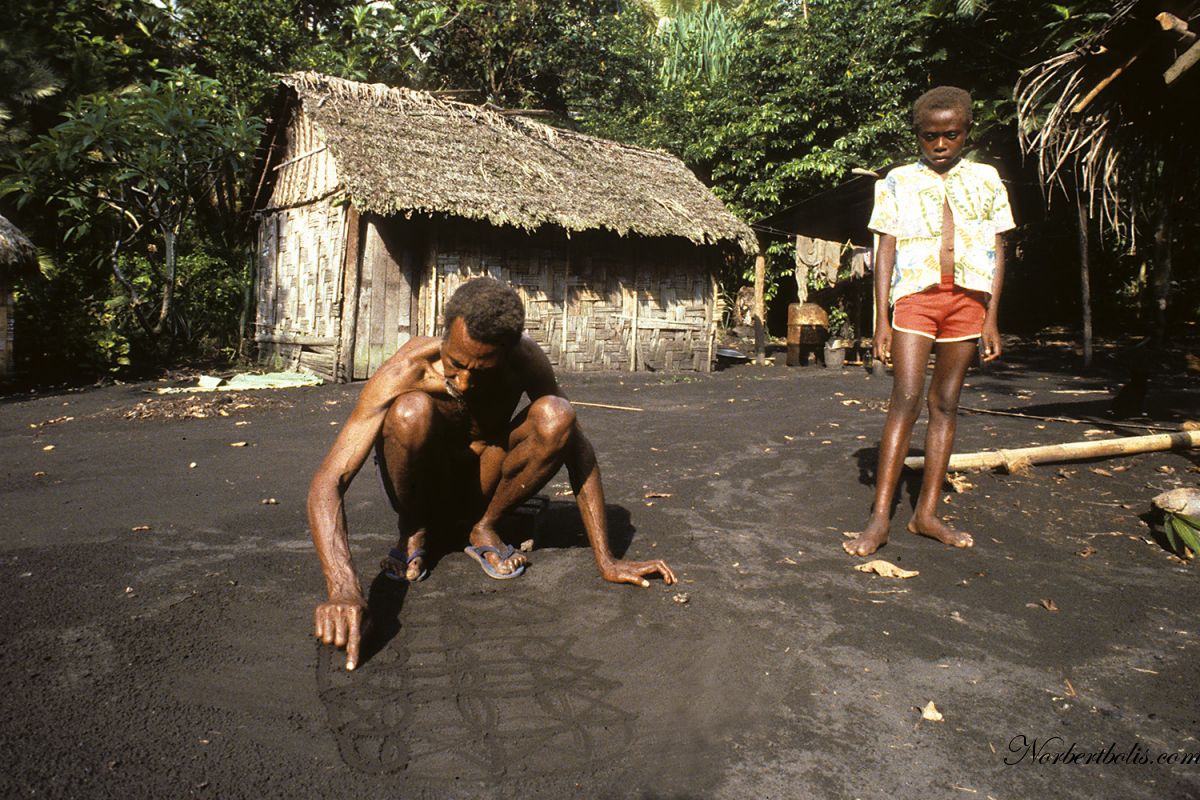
128, 132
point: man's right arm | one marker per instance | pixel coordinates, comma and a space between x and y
339, 620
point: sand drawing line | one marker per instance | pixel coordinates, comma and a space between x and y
452, 698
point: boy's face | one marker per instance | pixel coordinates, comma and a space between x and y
942, 133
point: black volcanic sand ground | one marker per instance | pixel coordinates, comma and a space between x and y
178, 660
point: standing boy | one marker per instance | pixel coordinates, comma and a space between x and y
940, 263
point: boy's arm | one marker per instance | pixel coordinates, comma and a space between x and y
885, 262
991, 331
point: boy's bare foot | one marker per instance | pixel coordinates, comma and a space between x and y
934, 528
873, 537
484, 535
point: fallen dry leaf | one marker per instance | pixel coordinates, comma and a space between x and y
1101, 471
139, 528
683, 598
852, 402
959, 482
1164, 469
48, 448
886, 569
648, 495
1087, 552
238, 444
931, 713
270, 501
1048, 604
1070, 689
526, 546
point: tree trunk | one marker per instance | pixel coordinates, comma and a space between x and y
247, 302
1160, 281
1085, 279
168, 297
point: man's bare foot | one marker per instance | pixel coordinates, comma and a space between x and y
873, 537
934, 528
416, 565
484, 535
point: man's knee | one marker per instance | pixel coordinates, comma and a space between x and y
410, 418
553, 420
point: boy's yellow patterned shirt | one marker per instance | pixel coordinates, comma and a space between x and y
908, 205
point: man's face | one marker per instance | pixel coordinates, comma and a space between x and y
942, 133
467, 363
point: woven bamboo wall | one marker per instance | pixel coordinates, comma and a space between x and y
6, 330
299, 287
585, 295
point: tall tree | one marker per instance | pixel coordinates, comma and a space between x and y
128, 168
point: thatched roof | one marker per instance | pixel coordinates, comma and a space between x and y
399, 150
1104, 114
15, 249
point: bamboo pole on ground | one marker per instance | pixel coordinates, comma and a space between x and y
1019, 458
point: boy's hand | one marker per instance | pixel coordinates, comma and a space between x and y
883, 341
991, 341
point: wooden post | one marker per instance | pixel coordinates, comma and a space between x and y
348, 319
760, 279
566, 299
1085, 278
1160, 281
633, 328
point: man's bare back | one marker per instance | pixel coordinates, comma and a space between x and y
440, 415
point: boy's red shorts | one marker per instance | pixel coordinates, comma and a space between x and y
944, 314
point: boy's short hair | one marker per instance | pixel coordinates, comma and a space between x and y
938, 98
491, 310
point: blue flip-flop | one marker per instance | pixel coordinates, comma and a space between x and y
477, 552
396, 556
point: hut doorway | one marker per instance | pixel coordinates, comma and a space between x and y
383, 319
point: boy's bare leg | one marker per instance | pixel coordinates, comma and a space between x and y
404, 450
953, 359
910, 356
537, 447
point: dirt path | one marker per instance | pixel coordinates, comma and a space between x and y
156, 629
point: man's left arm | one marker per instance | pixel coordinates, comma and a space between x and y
584, 472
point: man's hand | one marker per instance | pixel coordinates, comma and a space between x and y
621, 571
883, 341
339, 622
991, 341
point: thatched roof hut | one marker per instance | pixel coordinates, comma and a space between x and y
16, 252
369, 189
15, 249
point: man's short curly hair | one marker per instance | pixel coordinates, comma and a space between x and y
490, 309
943, 97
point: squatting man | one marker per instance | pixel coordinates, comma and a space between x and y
439, 415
